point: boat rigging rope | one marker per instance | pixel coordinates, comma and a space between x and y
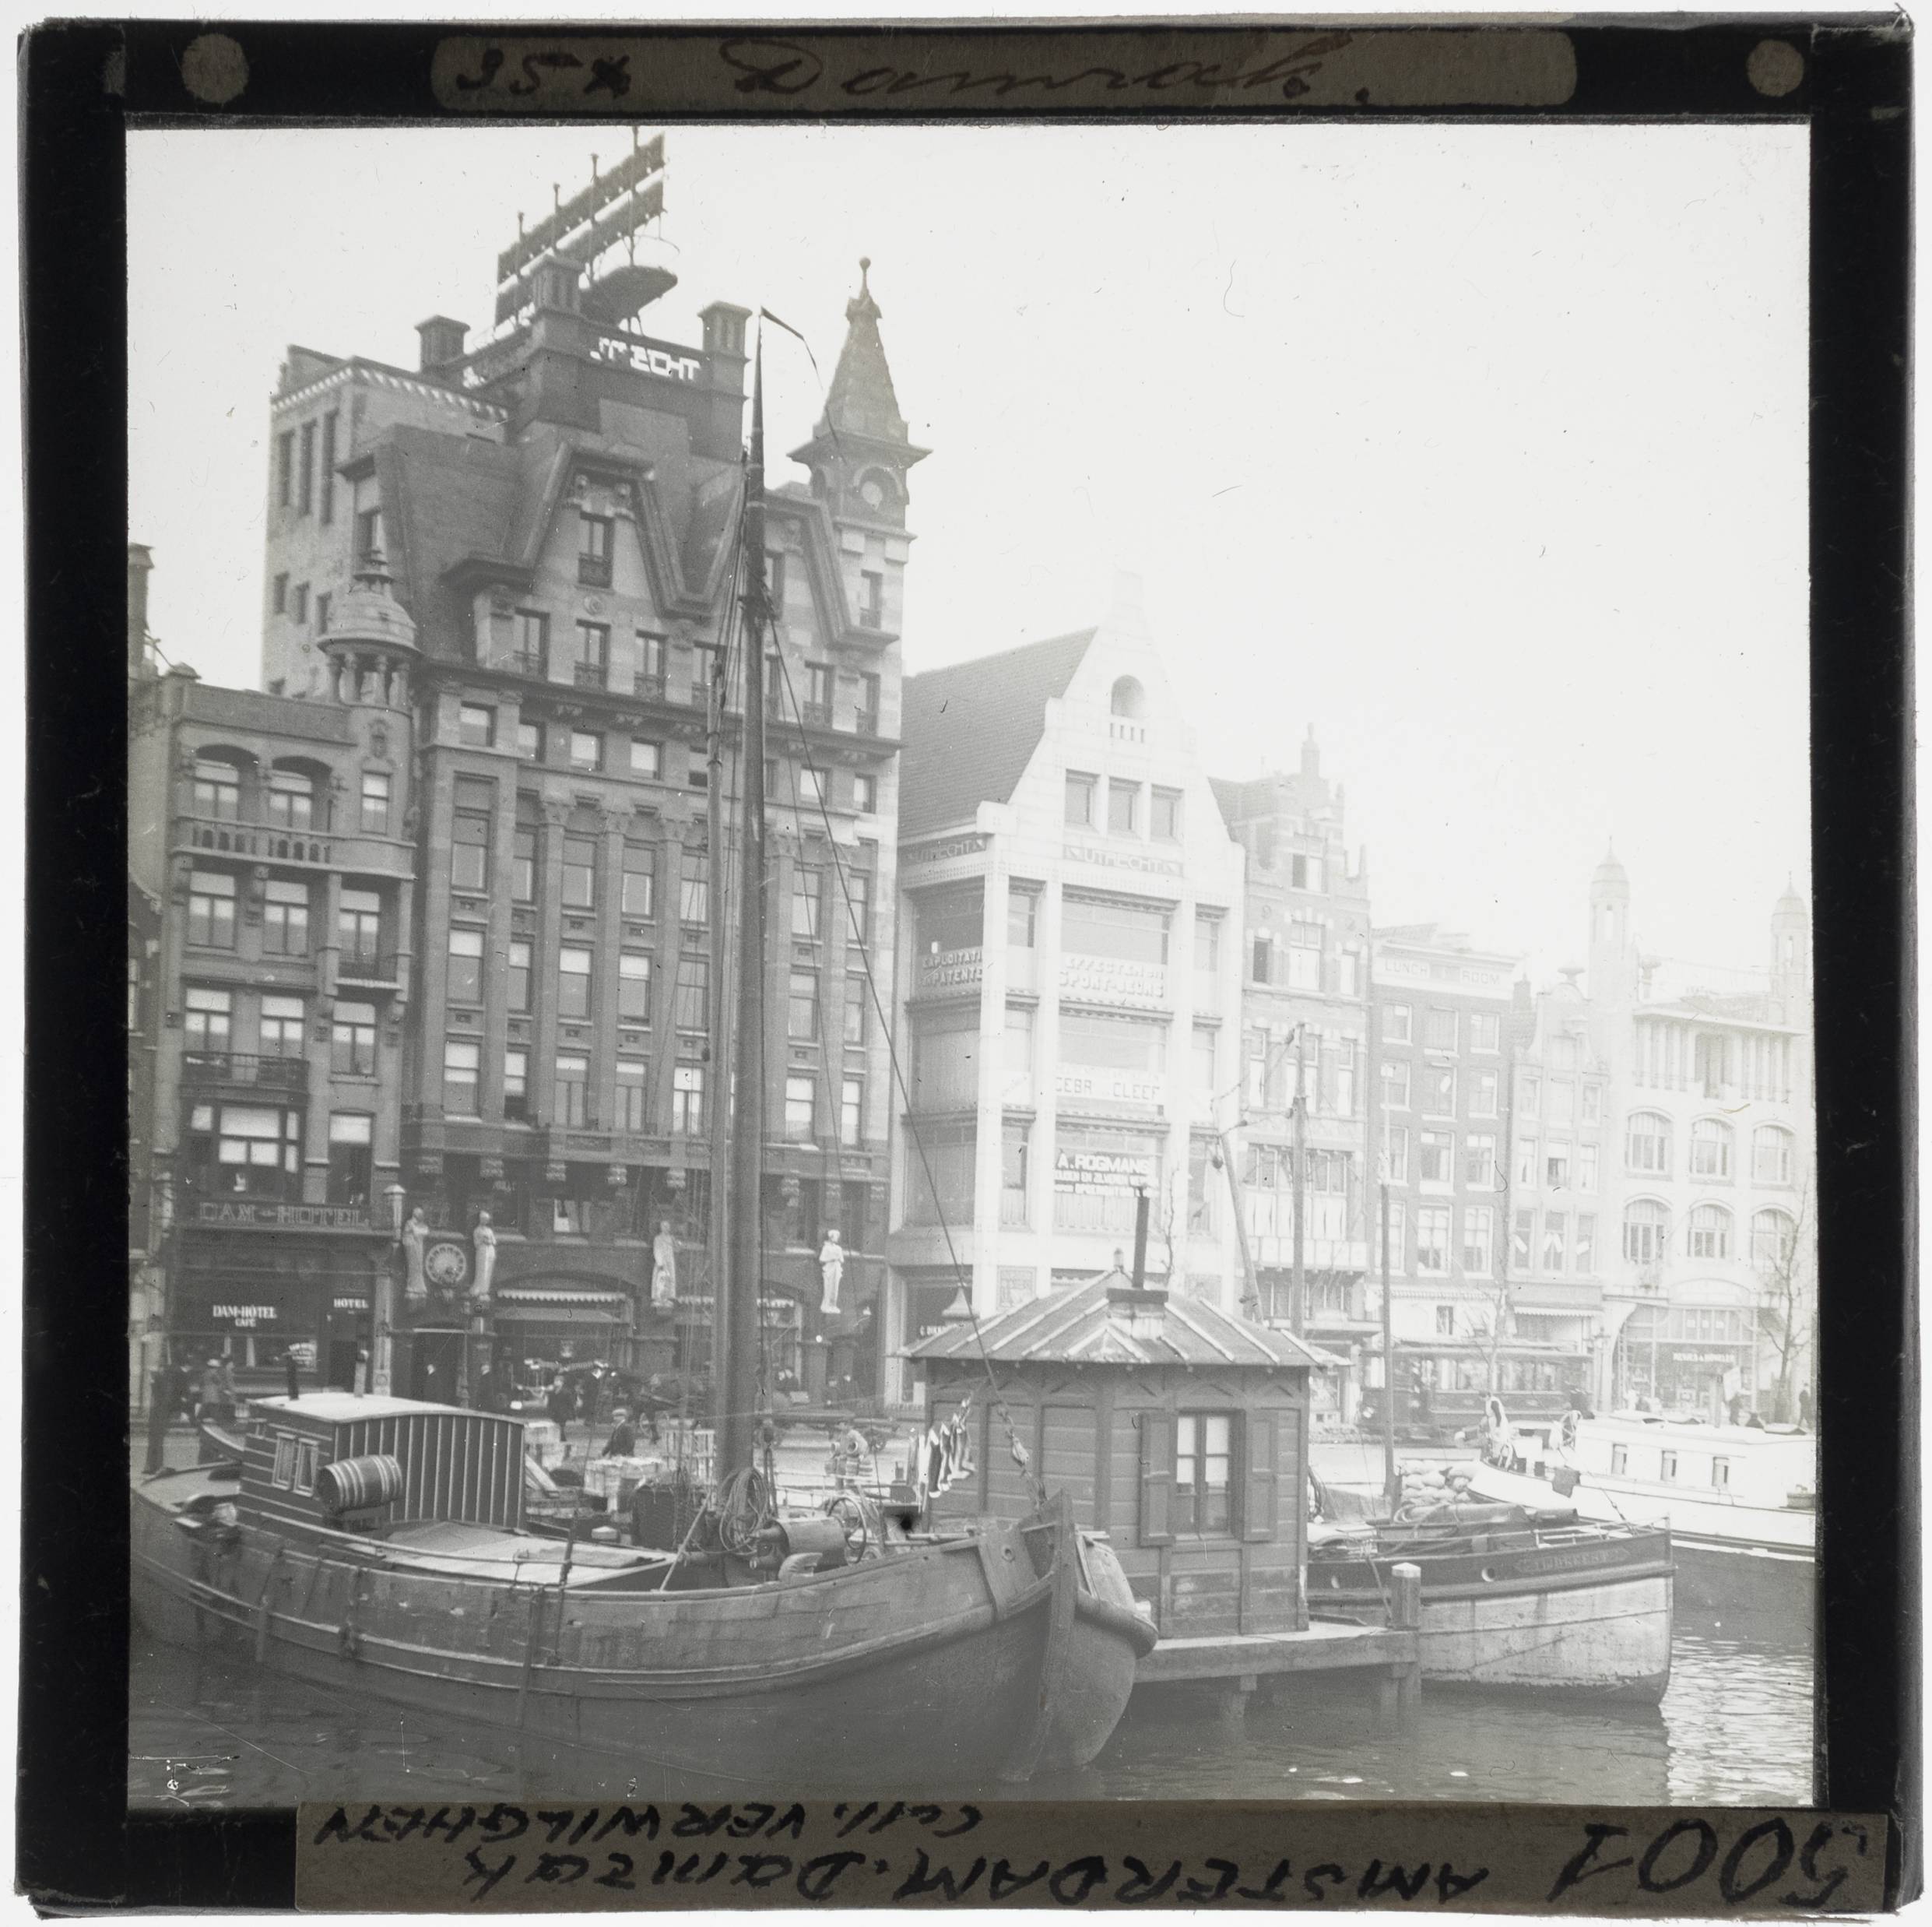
858, 941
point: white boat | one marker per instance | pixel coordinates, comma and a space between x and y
1740, 1500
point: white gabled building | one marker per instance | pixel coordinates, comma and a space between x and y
1709, 1170
1069, 987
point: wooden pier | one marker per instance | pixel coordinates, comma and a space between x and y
1233, 1666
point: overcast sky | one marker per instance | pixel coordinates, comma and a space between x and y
1480, 449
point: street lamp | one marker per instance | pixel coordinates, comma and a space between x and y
380, 1355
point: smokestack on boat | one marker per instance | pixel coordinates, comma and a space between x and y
1134, 1308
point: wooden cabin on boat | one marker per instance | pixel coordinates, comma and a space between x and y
367, 1463
1179, 1431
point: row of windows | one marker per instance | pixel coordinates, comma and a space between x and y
1436, 1160
1559, 1100
1555, 1164
208, 1029
305, 468
1296, 964
287, 797
1437, 1251
295, 603
570, 1095
1707, 1232
1566, 1243
254, 1150
285, 920
590, 750
1133, 809
1442, 1029
1675, 1056
1434, 1092
1649, 1148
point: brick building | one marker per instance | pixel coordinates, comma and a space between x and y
266, 1013
557, 512
1304, 1023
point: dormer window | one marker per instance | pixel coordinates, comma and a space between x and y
593, 550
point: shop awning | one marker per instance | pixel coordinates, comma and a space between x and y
560, 1305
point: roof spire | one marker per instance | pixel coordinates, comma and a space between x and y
861, 400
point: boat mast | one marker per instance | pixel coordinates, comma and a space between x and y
736, 1312
718, 1003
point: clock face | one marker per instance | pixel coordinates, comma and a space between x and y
447, 1263
870, 489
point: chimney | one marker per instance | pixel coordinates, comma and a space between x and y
1135, 1309
442, 343
140, 564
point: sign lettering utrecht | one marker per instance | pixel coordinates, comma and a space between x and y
952, 969
940, 853
1120, 860
1111, 1088
648, 359
1102, 1173
208, 1211
1113, 980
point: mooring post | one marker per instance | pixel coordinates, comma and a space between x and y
1405, 1611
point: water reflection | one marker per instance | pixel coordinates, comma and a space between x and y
1735, 1728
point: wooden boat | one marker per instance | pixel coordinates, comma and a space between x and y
1512, 1598
375, 1546
1739, 1501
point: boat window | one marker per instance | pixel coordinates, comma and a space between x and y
305, 1456
1720, 1471
284, 1474
1619, 1459
1666, 1465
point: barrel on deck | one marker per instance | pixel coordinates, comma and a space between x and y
357, 1485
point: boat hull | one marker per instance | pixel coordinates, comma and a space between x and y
1592, 1620
923, 1669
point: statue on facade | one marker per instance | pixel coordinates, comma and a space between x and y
831, 1268
415, 1286
663, 1265
485, 1240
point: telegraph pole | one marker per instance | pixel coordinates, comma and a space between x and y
1298, 1310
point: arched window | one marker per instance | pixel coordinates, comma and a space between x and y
1710, 1231
1646, 1225
1129, 699
1710, 1148
1773, 1240
1647, 1143
1773, 1155
217, 789
291, 798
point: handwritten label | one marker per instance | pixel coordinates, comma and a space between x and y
560, 1856
921, 71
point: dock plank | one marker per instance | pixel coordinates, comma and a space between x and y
1327, 1646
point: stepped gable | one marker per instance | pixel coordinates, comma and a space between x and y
970, 730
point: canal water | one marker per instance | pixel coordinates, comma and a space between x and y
1735, 1728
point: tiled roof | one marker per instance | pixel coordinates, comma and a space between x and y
969, 730
444, 496
1077, 1326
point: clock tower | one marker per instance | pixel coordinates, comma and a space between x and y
859, 455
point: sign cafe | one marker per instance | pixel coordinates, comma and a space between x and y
1102, 1173
245, 1317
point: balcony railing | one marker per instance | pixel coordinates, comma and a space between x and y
819, 715
262, 1070
525, 662
647, 684
865, 722
871, 615
591, 675
356, 964
230, 836
594, 571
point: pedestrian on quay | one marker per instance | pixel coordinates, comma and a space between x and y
216, 1402
167, 1392
623, 1443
